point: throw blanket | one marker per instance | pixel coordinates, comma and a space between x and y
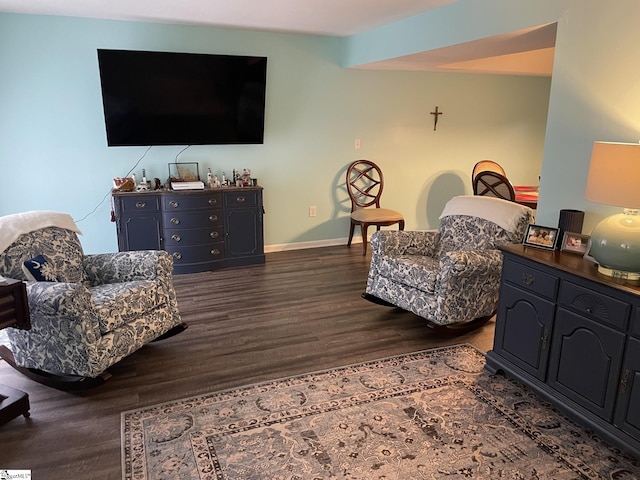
12, 226
501, 212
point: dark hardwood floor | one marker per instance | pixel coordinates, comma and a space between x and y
300, 312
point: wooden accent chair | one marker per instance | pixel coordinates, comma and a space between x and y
486, 165
451, 276
493, 184
364, 184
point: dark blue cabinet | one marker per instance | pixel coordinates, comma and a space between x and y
138, 222
572, 335
243, 226
201, 229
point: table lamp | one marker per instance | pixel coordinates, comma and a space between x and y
614, 179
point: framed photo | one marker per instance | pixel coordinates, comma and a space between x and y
575, 243
541, 237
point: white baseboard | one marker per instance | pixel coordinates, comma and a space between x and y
312, 244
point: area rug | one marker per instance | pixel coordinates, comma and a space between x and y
427, 415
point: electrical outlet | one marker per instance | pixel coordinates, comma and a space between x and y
312, 211
357, 144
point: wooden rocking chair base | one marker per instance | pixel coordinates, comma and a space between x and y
71, 382
59, 381
452, 329
376, 300
181, 327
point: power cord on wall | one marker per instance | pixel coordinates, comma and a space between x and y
108, 194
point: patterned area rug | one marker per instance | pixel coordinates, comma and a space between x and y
427, 415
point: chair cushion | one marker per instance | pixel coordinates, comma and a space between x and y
40, 269
417, 271
120, 303
372, 215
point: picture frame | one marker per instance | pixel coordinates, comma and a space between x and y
539, 236
573, 242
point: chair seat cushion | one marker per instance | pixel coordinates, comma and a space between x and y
372, 215
417, 271
120, 303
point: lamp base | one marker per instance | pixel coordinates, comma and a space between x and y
621, 274
615, 244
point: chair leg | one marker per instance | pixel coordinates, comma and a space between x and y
351, 229
364, 227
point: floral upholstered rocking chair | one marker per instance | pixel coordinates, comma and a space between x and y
451, 276
87, 312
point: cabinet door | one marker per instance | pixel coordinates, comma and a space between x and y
243, 231
627, 413
523, 329
585, 361
139, 222
140, 232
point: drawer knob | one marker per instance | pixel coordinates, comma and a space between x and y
176, 238
215, 251
141, 204
174, 204
214, 234
528, 279
177, 255
175, 221
240, 199
213, 218
213, 201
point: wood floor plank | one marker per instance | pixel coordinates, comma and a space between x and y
299, 312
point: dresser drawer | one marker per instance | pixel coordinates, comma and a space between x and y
194, 236
239, 198
140, 204
191, 201
530, 279
595, 305
196, 254
200, 219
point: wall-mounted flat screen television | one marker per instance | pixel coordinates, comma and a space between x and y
162, 98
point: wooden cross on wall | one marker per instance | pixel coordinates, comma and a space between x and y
436, 114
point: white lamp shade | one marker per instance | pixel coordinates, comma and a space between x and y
614, 174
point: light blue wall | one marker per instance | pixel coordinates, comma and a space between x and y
459, 22
595, 92
54, 156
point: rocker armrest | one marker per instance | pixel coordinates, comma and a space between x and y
66, 308
61, 298
119, 267
470, 263
411, 242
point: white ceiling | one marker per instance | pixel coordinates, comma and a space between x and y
527, 52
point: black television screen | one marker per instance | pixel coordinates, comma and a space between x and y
161, 98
